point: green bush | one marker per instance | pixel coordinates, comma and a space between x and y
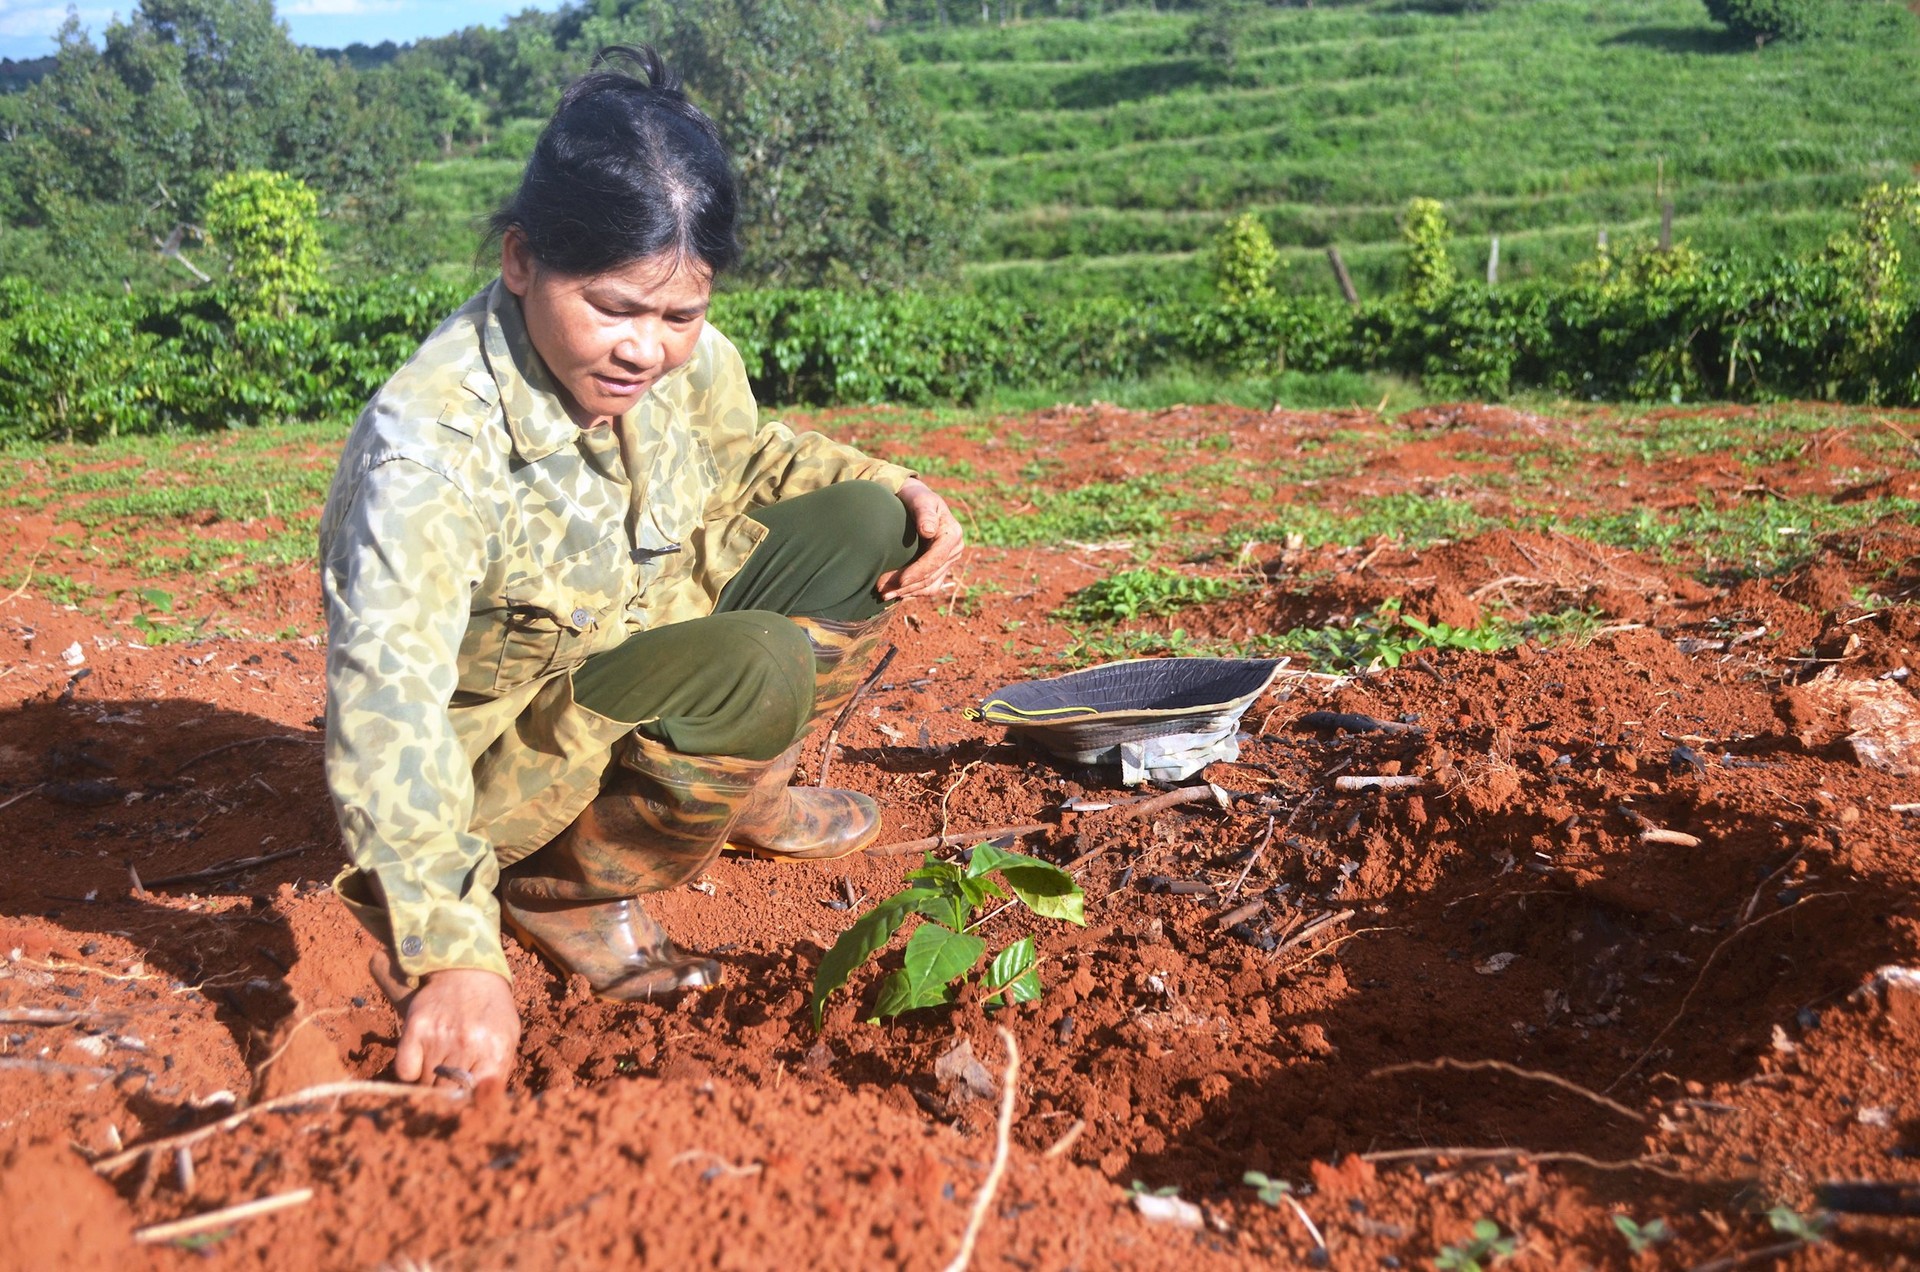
268, 225
1763, 20
89, 366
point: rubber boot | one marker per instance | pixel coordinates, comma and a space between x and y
806, 823
660, 821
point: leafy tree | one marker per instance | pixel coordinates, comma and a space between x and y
842, 179
267, 224
1430, 271
1244, 258
115, 148
1763, 20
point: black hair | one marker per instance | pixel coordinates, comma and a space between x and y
626, 169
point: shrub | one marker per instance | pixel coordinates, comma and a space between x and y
1763, 20
1244, 258
1430, 273
267, 223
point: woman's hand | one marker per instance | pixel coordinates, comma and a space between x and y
460, 1024
940, 542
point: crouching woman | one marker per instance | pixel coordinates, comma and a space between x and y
582, 605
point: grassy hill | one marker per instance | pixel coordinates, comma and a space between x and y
1108, 151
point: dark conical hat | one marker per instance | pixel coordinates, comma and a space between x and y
1114, 703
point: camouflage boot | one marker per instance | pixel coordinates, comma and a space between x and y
805, 823
659, 822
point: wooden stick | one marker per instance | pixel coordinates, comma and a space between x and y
1001, 1143
1329, 947
1373, 781
1060, 1146
1350, 722
1155, 803
933, 843
312, 1095
270, 737
235, 866
1501, 1066
55, 1066
37, 1016
846, 713
221, 1218
1234, 891
1515, 1154
15, 799
1753, 903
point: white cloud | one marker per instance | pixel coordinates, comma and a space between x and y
335, 8
27, 21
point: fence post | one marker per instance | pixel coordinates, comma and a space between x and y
1493, 263
1340, 273
1666, 226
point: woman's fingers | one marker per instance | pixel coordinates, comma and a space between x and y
461, 1030
941, 544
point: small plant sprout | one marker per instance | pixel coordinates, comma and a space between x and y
1811, 1229
944, 949
1642, 1237
1484, 1248
1276, 1191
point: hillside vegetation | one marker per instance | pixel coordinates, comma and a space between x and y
1113, 144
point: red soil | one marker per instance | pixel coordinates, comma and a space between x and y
1689, 1033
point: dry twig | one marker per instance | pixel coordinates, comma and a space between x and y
1501, 1066
1695, 987
312, 1095
846, 713
1265, 839
933, 843
231, 867
1002, 1133
221, 1218
1060, 1146
11, 800
1522, 1155
1330, 947
184, 765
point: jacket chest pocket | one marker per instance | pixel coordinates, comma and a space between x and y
546, 622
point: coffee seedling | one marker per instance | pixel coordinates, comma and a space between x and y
1642, 1237
1486, 1247
944, 949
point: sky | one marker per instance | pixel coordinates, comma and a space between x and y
27, 26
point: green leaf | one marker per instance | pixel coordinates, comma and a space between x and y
1015, 971
158, 598
936, 957
1047, 890
867, 937
986, 858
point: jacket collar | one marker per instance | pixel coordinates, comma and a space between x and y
537, 419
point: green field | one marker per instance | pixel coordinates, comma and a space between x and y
1108, 153
1109, 143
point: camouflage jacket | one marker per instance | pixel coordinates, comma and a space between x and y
477, 545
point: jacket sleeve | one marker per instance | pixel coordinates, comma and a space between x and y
397, 578
763, 463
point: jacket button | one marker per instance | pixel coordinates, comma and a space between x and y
412, 946
582, 618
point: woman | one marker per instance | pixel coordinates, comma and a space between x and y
582, 607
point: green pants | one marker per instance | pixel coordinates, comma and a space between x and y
740, 682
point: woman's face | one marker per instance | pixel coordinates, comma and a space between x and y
609, 337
